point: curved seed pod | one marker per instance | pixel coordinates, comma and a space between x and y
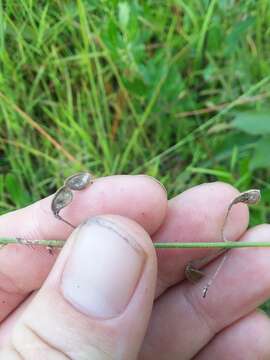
192, 270
249, 197
61, 199
79, 181
193, 274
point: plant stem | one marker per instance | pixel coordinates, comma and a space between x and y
169, 245
49, 243
226, 245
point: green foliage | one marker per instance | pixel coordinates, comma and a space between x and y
261, 158
176, 89
16, 192
253, 122
256, 123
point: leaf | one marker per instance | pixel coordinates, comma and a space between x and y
123, 14
238, 33
253, 122
2, 182
17, 194
261, 158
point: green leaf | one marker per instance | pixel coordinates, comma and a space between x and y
1, 187
219, 173
18, 195
123, 14
238, 33
253, 122
261, 158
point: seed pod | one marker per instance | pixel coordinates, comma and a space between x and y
193, 274
79, 181
249, 197
61, 199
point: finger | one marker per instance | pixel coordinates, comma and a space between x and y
248, 338
23, 269
131, 196
196, 215
183, 322
9, 323
89, 305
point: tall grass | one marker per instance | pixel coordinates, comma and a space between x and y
132, 87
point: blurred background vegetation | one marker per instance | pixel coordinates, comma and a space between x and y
179, 90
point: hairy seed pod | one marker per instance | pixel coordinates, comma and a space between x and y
61, 199
79, 181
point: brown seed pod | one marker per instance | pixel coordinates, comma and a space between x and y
192, 272
249, 197
61, 199
79, 181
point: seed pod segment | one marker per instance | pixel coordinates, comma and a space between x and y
79, 181
193, 274
249, 197
61, 199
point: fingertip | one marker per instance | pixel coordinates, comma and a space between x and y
141, 198
212, 201
156, 207
138, 197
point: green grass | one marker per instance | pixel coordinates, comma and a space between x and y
156, 87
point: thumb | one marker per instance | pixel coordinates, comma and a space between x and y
97, 300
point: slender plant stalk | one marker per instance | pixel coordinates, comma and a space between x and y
19, 241
169, 245
225, 245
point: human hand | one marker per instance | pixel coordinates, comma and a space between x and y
97, 300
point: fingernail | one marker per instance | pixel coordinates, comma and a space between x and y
157, 181
103, 270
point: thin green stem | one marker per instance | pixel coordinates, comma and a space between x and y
225, 245
169, 245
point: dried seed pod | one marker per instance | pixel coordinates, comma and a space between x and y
193, 274
79, 181
61, 199
192, 270
249, 197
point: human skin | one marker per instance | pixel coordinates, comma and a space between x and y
108, 294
